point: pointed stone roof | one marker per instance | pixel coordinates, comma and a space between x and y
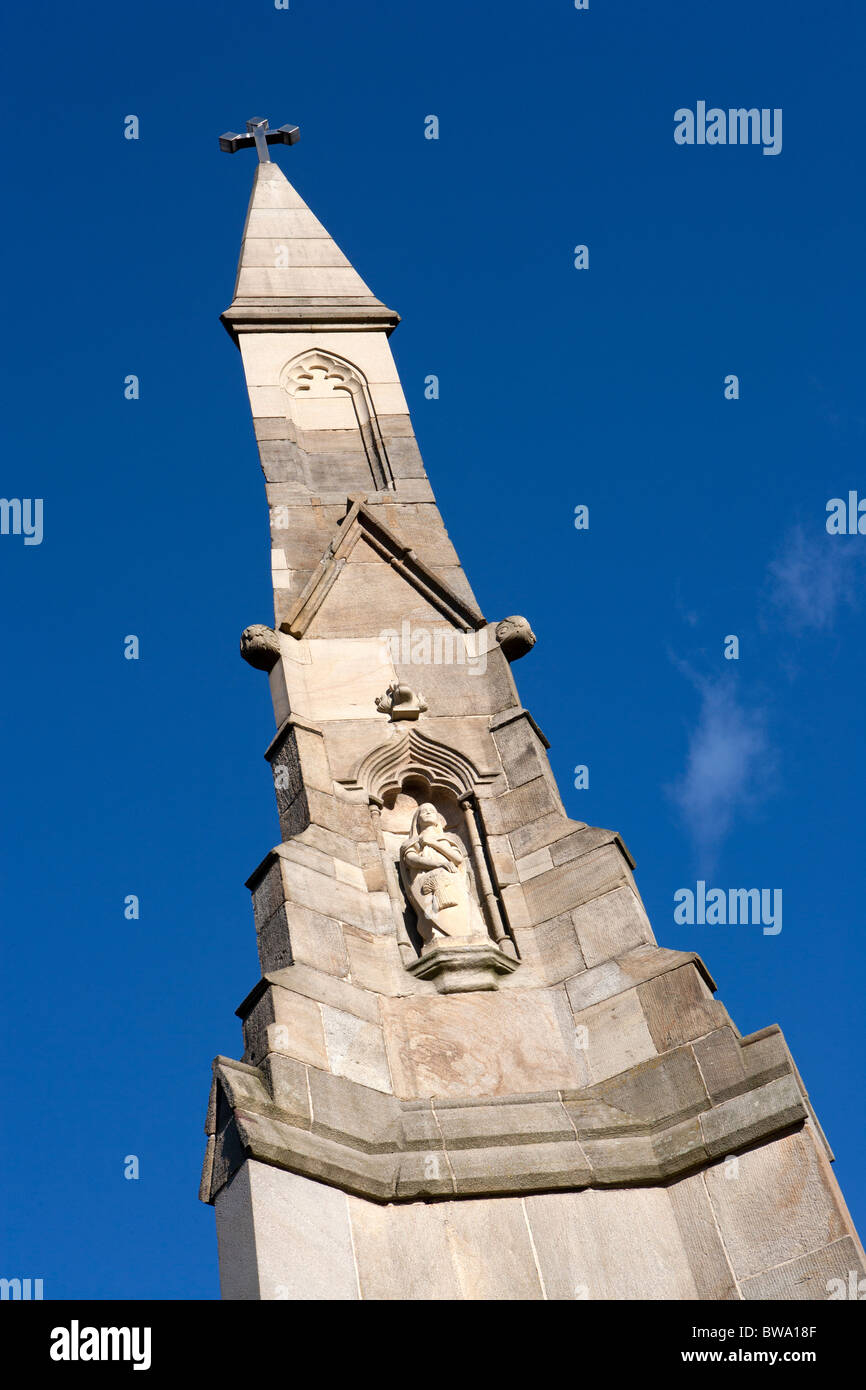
291, 272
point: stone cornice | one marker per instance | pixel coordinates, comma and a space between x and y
281, 316
655, 1122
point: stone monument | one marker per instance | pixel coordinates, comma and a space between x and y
469, 1072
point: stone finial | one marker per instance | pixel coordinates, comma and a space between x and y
401, 702
260, 646
515, 637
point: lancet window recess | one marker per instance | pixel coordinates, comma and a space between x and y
315, 378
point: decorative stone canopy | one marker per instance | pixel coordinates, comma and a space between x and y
416, 754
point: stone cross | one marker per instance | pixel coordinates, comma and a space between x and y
259, 135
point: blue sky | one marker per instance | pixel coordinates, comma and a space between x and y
558, 387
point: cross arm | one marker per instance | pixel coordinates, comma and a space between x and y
283, 135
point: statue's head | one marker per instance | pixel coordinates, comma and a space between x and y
427, 815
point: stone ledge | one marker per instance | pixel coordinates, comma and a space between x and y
648, 1125
624, 972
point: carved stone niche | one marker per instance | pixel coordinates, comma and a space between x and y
449, 920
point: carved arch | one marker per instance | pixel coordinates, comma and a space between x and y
385, 768
298, 376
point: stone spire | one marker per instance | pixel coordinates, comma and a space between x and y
461, 997
291, 272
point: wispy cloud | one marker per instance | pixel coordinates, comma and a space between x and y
813, 578
729, 767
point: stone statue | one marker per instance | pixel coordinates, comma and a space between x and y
436, 879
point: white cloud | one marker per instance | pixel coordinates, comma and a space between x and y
729, 766
813, 578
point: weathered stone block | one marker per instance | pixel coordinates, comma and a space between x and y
834, 1272
584, 839
455, 689
425, 1174
609, 1245
289, 1087
297, 1028
519, 1167
327, 895
342, 1109
513, 900
577, 882
616, 1036
720, 1058
479, 1226
376, 964
746, 1118
268, 893
477, 1126
344, 817
327, 989
520, 807
282, 1236
549, 953
274, 942
613, 976
404, 456
404, 1252
658, 1088
679, 1007
355, 1049
522, 752
317, 941
612, 925
748, 1196
679, 1147
539, 862
420, 1126
479, 1044
713, 1276
620, 1160
545, 831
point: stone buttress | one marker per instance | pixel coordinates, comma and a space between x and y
469, 1072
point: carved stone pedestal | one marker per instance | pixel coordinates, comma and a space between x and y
459, 969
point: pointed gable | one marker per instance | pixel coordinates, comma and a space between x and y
365, 580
